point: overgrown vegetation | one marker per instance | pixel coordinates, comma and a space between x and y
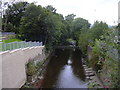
93, 85
105, 56
31, 68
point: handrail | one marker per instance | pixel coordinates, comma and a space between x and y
16, 45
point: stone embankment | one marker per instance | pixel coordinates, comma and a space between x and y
36, 80
91, 77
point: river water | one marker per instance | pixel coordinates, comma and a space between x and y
65, 70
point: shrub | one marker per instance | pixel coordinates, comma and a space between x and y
31, 68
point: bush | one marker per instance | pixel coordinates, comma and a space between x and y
31, 68
96, 60
39, 65
83, 42
11, 36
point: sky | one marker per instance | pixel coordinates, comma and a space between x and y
92, 10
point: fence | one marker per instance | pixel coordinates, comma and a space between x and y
16, 45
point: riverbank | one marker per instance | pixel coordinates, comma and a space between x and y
39, 64
38, 82
92, 77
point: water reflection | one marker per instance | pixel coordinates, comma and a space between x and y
77, 65
64, 70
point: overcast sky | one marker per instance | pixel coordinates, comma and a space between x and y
102, 10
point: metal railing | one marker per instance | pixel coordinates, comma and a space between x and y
16, 45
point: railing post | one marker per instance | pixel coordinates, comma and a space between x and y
27, 44
30, 44
37, 43
13, 45
17, 44
40, 43
1, 46
34, 43
23, 44
10, 46
4, 46
20, 44
7, 46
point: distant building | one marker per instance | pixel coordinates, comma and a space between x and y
119, 12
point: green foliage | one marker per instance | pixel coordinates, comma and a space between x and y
51, 8
79, 25
70, 17
96, 60
105, 56
103, 41
98, 29
13, 16
92, 85
83, 42
39, 21
31, 69
11, 40
11, 36
39, 65
70, 41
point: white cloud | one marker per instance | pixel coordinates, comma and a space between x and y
102, 10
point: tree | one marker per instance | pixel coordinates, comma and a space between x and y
4, 12
31, 24
83, 41
51, 8
98, 29
79, 25
68, 24
40, 24
13, 16
70, 17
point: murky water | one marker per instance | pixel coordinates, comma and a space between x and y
65, 70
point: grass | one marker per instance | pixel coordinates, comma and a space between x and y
11, 40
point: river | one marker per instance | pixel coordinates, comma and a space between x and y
65, 70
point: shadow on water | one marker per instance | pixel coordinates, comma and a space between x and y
65, 70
